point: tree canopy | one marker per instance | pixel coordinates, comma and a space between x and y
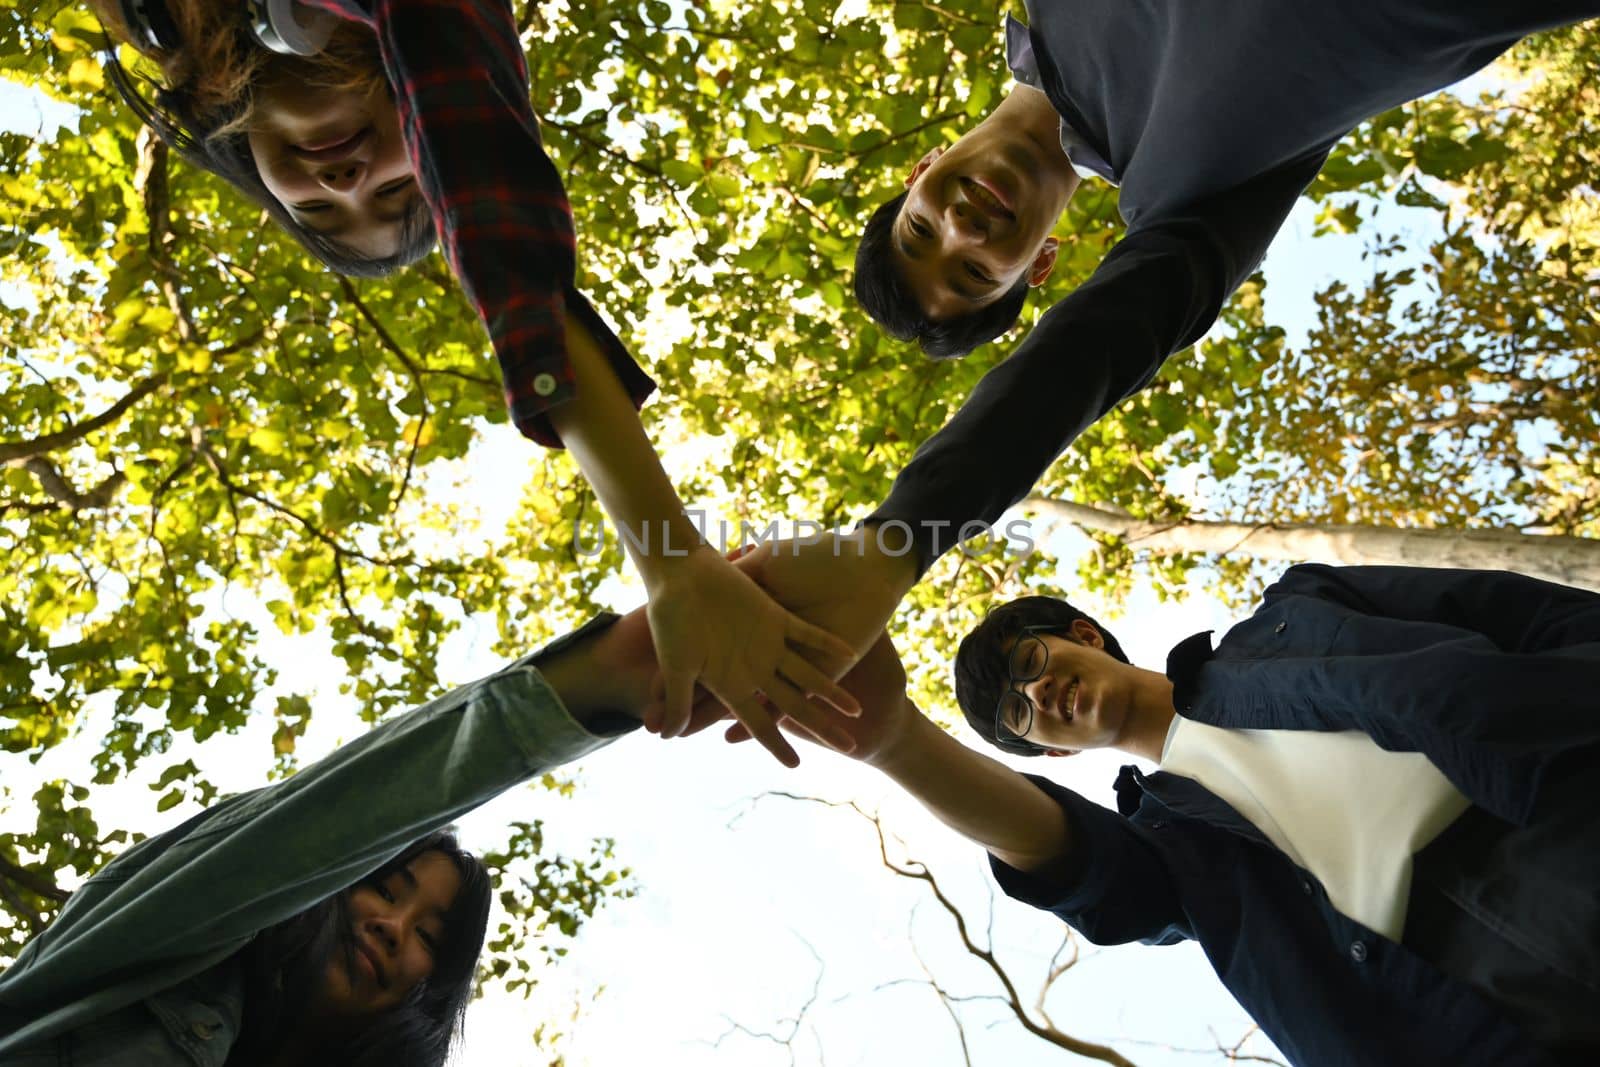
196, 411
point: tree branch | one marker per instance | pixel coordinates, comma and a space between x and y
918, 871
33, 881
60, 490
15, 451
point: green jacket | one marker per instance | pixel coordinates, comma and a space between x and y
136, 968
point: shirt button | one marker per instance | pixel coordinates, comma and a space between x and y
1358, 951
1305, 886
544, 384
1278, 629
203, 1030
1158, 824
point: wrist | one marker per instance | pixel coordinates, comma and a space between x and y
905, 744
607, 672
894, 553
669, 546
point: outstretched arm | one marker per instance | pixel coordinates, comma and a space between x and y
1156, 293
711, 623
982, 799
183, 900
1515, 612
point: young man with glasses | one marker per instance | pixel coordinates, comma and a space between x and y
1372, 808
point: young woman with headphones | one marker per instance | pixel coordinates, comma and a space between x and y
356, 122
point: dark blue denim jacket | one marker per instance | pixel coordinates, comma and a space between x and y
1481, 671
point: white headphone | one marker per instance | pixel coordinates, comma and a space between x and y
285, 26
289, 27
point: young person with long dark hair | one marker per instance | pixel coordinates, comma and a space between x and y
326, 919
413, 116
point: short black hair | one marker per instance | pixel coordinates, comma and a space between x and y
888, 300
196, 139
982, 662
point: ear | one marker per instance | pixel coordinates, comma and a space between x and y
1083, 631
1044, 262
923, 164
1061, 752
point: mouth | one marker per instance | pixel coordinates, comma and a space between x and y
1068, 704
989, 197
369, 956
332, 149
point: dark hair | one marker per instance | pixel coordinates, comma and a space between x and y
285, 964
982, 662
884, 295
210, 135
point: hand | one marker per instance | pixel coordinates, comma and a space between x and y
712, 624
878, 683
849, 585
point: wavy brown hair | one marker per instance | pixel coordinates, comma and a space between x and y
202, 104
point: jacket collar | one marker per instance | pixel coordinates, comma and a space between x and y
1183, 667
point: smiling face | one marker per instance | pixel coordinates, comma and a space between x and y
335, 159
1083, 696
978, 215
398, 925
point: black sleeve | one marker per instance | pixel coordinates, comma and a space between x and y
1517, 613
1115, 888
1157, 292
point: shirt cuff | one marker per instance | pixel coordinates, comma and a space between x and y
1078, 884
531, 402
551, 734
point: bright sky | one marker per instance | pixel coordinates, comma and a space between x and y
749, 912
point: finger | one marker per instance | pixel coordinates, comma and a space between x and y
737, 553
736, 733
809, 678
818, 721
816, 682
765, 730
655, 704
677, 700
707, 711
834, 653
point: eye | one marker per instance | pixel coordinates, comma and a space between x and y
383, 891
311, 207
977, 274
919, 230
398, 185
429, 942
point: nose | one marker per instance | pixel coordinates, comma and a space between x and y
386, 931
342, 177
964, 220
1040, 690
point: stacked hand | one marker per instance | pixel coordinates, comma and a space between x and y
850, 588
713, 625
878, 683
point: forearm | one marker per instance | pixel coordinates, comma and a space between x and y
1519, 614
601, 428
1102, 343
983, 800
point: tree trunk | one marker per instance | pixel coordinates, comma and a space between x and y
1571, 561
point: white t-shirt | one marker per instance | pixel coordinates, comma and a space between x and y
1344, 809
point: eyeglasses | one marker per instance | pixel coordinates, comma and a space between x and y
1013, 715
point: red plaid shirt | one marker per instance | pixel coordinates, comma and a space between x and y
461, 84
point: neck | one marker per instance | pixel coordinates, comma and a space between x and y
1144, 731
1027, 112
